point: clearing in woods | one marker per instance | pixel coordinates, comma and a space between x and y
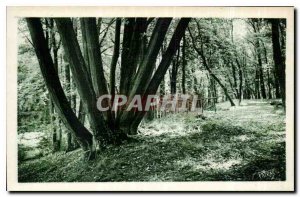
243, 143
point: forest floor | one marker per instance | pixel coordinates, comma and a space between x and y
240, 143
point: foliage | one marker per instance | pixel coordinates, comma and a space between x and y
32, 93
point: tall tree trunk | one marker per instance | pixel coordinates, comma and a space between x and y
56, 142
174, 71
247, 90
147, 66
256, 25
278, 60
236, 92
69, 146
94, 56
55, 89
183, 83
230, 83
57, 132
145, 70
74, 142
257, 80
167, 57
173, 78
115, 58
209, 94
276, 84
81, 114
162, 86
261, 77
96, 67
214, 93
268, 72
134, 31
195, 83
162, 68
83, 83
269, 84
125, 77
240, 71
114, 62
85, 47
162, 89
282, 37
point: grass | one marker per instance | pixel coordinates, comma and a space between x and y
245, 143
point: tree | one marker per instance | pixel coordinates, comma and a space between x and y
256, 25
88, 73
183, 82
204, 43
278, 58
54, 46
174, 72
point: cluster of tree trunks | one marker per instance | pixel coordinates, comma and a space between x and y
138, 57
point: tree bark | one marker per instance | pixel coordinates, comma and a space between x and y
115, 58
125, 77
240, 71
236, 92
268, 72
56, 142
134, 36
83, 83
256, 28
94, 56
183, 82
84, 46
162, 68
147, 66
174, 71
261, 76
167, 57
96, 66
276, 84
81, 114
53, 46
144, 73
55, 89
278, 60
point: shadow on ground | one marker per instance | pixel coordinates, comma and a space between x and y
245, 143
